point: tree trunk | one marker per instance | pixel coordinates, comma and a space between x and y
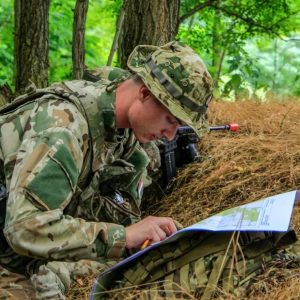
31, 43
120, 22
6, 94
148, 22
275, 66
78, 49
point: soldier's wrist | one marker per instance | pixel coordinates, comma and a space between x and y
115, 243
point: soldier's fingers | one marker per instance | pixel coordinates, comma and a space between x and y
178, 225
159, 233
165, 221
168, 230
169, 227
172, 226
165, 224
155, 237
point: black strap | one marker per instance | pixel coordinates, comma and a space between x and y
3, 201
175, 92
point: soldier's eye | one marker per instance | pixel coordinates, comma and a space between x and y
179, 122
172, 120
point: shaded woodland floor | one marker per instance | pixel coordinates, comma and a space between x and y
260, 160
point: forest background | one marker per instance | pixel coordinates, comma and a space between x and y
252, 48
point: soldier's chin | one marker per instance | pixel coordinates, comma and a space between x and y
142, 138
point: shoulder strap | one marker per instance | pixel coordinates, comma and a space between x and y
21, 100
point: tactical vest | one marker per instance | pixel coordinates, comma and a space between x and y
198, 266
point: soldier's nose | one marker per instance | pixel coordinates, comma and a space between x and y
169, 134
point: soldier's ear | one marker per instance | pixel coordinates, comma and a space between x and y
144, 93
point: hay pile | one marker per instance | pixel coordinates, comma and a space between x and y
260, 160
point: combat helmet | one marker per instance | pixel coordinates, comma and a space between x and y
177, 77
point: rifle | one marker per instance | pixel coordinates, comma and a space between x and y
182, 150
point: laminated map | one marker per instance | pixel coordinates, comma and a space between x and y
268, 214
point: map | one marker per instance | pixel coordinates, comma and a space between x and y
268, 214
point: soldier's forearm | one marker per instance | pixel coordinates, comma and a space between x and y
55, 236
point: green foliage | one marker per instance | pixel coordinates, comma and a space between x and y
244, 31
228, 27
60, 27
279, 64
100, 27
197, 38
6, 42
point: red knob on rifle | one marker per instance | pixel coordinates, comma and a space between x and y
234, 127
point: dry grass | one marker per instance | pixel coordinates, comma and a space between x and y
262, 159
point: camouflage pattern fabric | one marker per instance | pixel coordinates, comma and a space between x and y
198, 267
59, 150
15, 286
50, 280
53, 279
106, 73
178, 78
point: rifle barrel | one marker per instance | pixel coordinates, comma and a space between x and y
231, 127
219, 127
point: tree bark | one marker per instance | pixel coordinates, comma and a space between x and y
152, 22
78, 49
275, 66
31, 43
120, 22
6, 94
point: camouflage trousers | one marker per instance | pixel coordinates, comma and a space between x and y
50, 281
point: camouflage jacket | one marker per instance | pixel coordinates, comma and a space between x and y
59, 150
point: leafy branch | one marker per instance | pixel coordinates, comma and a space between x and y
251, 22
196, 9
242, 15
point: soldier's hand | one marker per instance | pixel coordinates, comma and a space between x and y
151, 228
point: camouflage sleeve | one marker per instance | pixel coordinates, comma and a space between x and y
134, 183
44, 180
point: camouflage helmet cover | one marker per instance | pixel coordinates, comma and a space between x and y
177, 77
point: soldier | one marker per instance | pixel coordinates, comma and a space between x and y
73, 168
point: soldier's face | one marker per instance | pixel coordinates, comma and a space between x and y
150, 120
